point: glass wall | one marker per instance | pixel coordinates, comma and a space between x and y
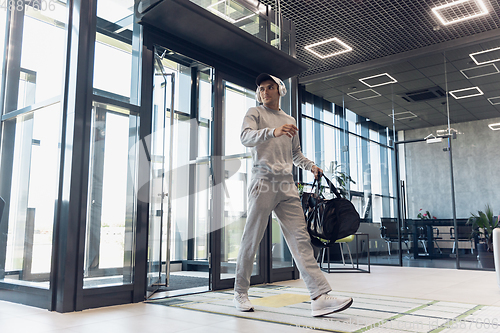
3, 27
30, 155
349, 146
115, 68
341, 142
237, 162
33, 195
43, 54
438, 112
111, 218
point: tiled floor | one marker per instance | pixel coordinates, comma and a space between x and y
419, 283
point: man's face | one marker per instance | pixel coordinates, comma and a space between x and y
269, 93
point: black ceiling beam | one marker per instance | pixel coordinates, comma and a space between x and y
196, 25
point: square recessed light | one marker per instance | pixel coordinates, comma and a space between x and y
328, 48
494, 100
458, 11
478, 71
466, 93
364, 94
378, 80
494, 127
403, 115
485, 57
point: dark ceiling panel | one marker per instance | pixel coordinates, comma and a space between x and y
413, 85
397, 68
486, 81
438, 69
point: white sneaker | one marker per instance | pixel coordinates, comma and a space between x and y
326, 304
242, 303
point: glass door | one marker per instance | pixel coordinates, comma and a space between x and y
159, 152
231, 166
425, 221
180, 212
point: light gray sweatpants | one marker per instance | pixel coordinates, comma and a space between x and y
280, 195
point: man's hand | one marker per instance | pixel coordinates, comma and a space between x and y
288, 129
317, 172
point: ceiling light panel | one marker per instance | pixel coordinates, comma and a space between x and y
328, 48
474, 72
461, 10
466, 93
402, 115
494, 100
378, 80
494, 127
364, 94
485, 57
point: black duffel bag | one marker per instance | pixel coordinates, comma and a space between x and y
328, 219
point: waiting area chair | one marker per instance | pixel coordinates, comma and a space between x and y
361, 241
463, 234
423, 238
389, 233
341, 243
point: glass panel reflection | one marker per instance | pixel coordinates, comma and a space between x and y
33, 194
115, 64
237, 14
237, 168
111, 220
281, 255
43, 54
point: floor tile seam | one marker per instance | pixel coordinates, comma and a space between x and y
399, 315
459, 318
451, 309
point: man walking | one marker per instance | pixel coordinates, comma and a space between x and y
272, 136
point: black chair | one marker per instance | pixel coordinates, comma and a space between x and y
389, 233
463, 234
423, 238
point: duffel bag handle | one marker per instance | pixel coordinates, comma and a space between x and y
332, 187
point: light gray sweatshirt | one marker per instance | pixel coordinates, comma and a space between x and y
272, 157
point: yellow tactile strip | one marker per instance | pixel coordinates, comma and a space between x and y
278, 301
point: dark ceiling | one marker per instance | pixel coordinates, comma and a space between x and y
375, 28
390, 37
429, 73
